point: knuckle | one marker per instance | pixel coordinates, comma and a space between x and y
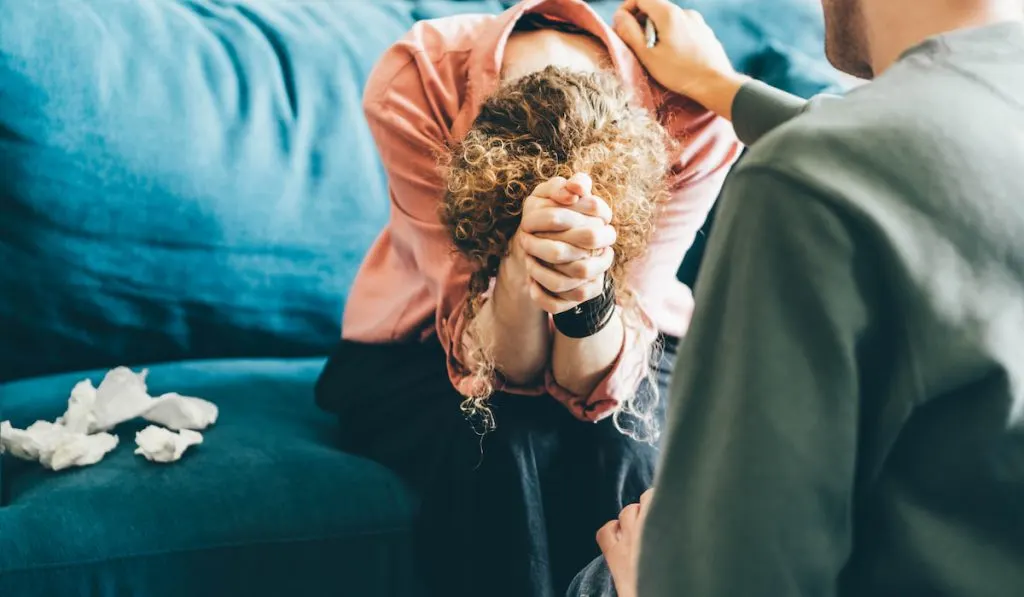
580, 269
554, 284
564, 253
587, 269
629, 512
547, 217
590, 237
550, 186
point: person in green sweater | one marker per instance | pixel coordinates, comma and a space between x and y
847, 412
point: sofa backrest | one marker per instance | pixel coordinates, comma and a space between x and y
184, 179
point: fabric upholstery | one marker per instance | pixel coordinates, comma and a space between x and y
267, 505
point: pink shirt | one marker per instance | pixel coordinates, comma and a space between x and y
424, 95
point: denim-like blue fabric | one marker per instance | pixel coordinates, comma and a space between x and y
186, 179
267, 505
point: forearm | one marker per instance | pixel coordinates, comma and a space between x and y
758, 108
516, 331
579, 364
753, 107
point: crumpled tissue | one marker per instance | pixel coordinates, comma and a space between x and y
122, 396
157, 444
79, 438
54, 446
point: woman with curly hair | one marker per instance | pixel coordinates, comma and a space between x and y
509, 337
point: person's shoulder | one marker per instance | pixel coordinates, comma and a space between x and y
892, 129
433, 53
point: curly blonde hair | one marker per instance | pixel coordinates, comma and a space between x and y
555, 122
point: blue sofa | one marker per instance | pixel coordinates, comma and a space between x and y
189, 185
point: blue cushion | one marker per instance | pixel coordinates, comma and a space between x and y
193, 178
182, 179
267, 505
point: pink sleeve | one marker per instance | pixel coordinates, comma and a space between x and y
708, 149
406, 102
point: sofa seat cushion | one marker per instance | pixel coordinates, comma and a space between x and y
267, 505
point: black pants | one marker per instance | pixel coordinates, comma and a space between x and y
511, 513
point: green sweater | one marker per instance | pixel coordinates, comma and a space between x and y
847, 416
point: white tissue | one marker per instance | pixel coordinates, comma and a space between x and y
55, 446
79, 438
176, 412
157, 444
79, 416
122, 396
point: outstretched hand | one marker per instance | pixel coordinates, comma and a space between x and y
619, 541
567, 238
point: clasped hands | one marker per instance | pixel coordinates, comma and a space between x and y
565, 243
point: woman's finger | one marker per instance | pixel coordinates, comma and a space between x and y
551, 251
562, 302
590, 268
590, 205
555, 219
555, 189
592, 289
589, 237
547, 302
549, 187
551, 279
580, 184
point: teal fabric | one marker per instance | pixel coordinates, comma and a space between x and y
267, 505
189, 179
182, 179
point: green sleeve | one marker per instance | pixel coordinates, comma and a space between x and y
759, 108
755, 487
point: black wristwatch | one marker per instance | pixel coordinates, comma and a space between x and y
589, 317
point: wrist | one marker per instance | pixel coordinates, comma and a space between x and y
717, 91
589, 317
512, 285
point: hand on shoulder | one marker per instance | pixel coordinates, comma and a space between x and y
687, 59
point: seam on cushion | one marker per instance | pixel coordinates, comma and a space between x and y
223, 546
